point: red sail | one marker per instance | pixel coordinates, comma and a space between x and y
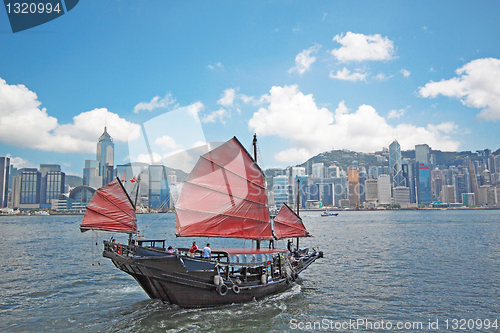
110, 210
287, 224
224, 196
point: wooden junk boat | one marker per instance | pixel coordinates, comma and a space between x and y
223, 196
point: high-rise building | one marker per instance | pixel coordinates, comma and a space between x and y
354, 190
468, 199
304, 193
409, 175
158, 188
448, 194
318, 170
461, 180
401, 195
105, 156
384, 189
30, 188
16, 191
333, 171
395, 164
371, 190
488, 195
52, 183
372, 172
383, 170
91, 176
4, 180
280, 189
55, 184
473, 181
422, 154
424, 193
486, 177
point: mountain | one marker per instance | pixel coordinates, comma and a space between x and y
344, 158
74, 181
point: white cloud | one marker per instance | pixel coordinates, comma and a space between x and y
167, 143
304, 60
311, 129
194, 109
477, 86
227, 98
90, 125
346, 75
382, 77
218, 65
154, 158
397, 113
24, 124
20, 163
359, 47
216, 115
155, 103
406, 73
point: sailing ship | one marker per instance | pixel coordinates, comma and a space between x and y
223, 197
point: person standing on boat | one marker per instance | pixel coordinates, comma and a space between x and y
207, 251
193, 249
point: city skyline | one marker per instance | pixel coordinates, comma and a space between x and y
412, 181
306, 79
85, 162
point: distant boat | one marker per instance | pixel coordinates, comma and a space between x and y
224, 196
328, 213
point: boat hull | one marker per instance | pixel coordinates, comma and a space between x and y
164, 277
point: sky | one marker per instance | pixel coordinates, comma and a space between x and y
166, 77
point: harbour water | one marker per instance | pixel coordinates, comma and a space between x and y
415, 270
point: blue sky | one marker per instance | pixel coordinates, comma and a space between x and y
307, 77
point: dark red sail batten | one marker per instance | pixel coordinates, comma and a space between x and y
224, 196
288, 225
110, 210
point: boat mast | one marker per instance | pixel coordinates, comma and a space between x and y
298, 205
254, 143
137, 191
132, 203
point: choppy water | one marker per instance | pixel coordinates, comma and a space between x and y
397, 267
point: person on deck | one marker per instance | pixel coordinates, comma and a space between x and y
193, 249
207, 251
170, 249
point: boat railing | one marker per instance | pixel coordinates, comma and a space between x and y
220, 257
119, 248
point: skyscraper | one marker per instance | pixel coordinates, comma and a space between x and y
371, 190
4, 180
395, 164
318, 170
424, 184
52, 183
105, 155
473, 181
384, 189
448, 194
91, 175
354, 190
30, 188
422, 154
280, 189
158, 188
409, 176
